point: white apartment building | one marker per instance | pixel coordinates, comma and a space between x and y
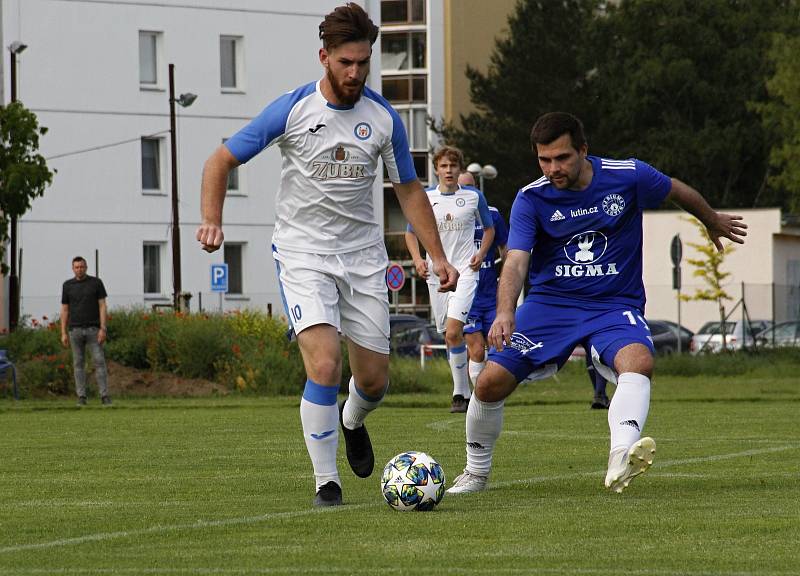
95, 72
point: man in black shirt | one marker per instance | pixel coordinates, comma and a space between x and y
83, 324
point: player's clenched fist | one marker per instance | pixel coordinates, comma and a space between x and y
448, 276
210, 236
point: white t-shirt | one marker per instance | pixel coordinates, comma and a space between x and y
329, 163
456, 214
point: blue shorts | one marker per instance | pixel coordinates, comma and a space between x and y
480, 319
546, 334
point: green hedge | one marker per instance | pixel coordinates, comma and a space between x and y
248, 352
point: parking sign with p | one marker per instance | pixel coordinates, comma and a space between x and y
219, 277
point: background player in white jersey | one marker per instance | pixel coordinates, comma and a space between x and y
456, 209
327, 245
484, 305
580, 228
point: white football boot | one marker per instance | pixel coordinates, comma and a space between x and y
624, 465
467, 483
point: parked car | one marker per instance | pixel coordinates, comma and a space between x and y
665, 334
407, 333
737, 335
782, 334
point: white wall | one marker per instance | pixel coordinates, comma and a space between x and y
80, 75
751, 263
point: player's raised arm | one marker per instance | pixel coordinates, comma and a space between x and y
512, 278
418, 212
718, 224
212, 197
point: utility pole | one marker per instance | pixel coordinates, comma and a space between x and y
13, 278
184, 100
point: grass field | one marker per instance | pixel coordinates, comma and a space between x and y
223, 486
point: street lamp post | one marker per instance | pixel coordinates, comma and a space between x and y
487, 172
185, 100
15, 48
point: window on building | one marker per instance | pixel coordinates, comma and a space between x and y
151, 260
402, 12
416, 123
230, 61
402, 51
149, 43
233, 176
405, 88
233, 258
151, 164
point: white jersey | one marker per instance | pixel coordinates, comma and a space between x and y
456, 215
330, 160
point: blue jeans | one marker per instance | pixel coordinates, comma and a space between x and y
80, 339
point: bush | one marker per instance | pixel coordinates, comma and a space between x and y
43, 375
262, 358
25, 342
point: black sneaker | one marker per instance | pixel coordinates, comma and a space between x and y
106, 401
459, 405
81, 400
358, 447
329, 494
600, 402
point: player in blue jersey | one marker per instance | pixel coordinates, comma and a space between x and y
457, 209
484, 305
327, 245
580, 229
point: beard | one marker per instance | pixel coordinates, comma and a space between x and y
346, 97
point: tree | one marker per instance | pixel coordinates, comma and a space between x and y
675, 82
709, 268
23, 172
539, 67
781, 119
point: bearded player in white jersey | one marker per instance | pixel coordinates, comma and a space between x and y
327, 245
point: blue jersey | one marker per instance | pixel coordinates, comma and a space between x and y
586, 245
486, 294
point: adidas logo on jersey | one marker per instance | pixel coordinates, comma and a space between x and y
557, 215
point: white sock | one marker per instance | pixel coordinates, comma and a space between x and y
627, 413
320, 418
457, 358
484, 423
475, 368
357, 406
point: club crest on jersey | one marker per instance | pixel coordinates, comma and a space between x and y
584, 250
460, 202
523, 344
613, 204
362, 131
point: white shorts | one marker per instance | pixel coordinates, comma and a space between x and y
456, 304
347, 291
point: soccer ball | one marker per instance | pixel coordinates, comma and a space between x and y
412, 481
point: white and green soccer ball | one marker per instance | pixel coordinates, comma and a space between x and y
412, 481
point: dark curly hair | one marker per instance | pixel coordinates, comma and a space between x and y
348, 23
